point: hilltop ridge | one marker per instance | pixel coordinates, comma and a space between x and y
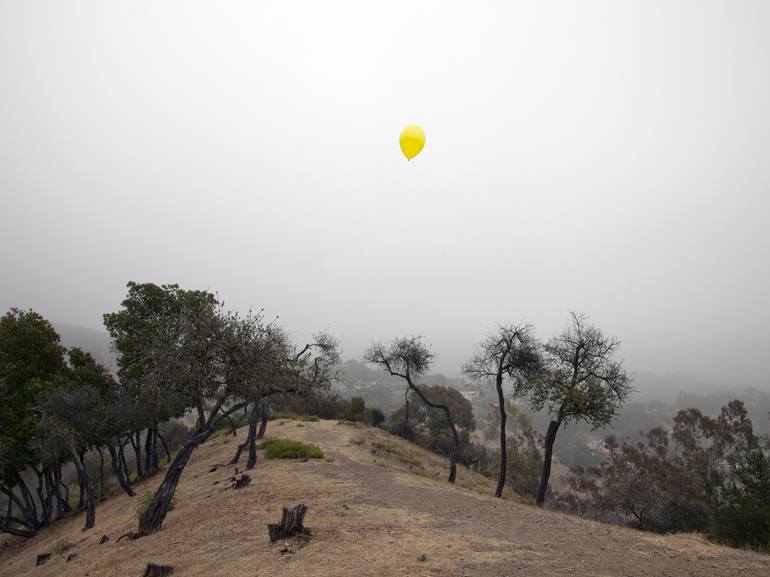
378, 505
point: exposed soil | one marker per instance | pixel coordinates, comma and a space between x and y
377, 506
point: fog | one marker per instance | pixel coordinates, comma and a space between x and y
604, 157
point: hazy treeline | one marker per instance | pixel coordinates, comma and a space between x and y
182, 357
178, 353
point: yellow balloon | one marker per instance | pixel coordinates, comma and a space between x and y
412, 140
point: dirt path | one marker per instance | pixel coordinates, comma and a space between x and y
378, 506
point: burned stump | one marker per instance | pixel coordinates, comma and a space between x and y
153, 570
240, 482
291, 524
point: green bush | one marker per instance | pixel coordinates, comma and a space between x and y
742, 512
374, 417
357, 408
285, 449
293, 416
144, 501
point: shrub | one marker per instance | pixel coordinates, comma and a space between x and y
144, 501
374, 417
61, 545
742, 513
285, 449
357, 408
293, 416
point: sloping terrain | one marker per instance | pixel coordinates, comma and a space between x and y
377, 506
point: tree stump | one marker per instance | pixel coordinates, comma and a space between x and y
291, 523
241, 482
153, 570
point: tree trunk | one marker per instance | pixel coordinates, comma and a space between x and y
550, 437
62, 505
153, 517
29, 511
66, 492
117, 471
82, 489
503, 439
292, 523
7, 522
252, 439
45, 513
165, 447
122, 455
247, 441
265, 410
49, 492
101, 474
85, 482
405, 430
137, 445
148, 470
455, 436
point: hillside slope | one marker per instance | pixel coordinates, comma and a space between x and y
378, 506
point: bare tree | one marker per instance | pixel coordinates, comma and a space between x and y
580, 381
408, 358
512, 353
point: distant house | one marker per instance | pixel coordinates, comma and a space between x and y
471, 395
596, 445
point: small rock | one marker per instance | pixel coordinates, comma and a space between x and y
103, 540
71, 556
41, 559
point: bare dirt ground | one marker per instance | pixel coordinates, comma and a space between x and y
377, 506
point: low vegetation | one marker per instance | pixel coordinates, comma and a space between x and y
286, 449
62, 411
293, 416
62, 545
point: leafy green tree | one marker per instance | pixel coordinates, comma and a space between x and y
431, 424
580, 381
31, 359
170, 344
163, 365
665, 481
357, 408
742, 508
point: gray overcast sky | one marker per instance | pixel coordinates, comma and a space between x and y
609, 157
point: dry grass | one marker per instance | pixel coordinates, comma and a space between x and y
370, 514
61, 545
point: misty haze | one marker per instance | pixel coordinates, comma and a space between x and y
341, 288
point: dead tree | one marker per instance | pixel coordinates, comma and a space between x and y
292, 523
510, 352
408, 358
